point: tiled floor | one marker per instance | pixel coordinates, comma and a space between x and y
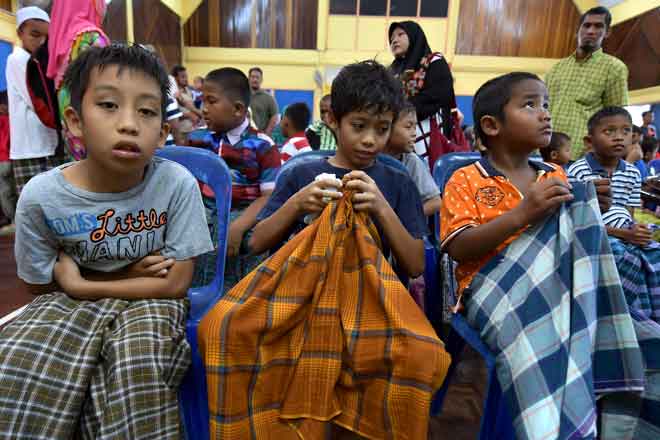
459, 419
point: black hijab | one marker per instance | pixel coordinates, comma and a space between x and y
417, 49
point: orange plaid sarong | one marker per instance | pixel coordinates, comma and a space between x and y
321, 331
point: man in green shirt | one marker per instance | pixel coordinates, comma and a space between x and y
586, 81
264, 108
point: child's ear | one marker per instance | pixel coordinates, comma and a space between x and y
332, 121
240, 109
73, 121
490, 125
587, 143
554, 154
164, 131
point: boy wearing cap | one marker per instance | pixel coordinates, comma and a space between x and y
33, 145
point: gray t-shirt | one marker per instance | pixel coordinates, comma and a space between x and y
108, 231
420, 174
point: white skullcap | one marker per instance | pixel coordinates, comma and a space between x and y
30, 13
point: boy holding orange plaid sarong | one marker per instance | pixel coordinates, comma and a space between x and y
324, 331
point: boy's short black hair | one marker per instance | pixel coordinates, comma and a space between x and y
257, 69
233, 83
492, 96
649, 145
407, 108
365, 86
176, 69
637, 129
326, 97
606, 112
598, 10
299, 114
556, 141
133, 57
3, 97
647, 112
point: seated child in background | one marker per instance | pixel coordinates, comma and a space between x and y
293, 124
558, 151
649, 150
402, 146
319, 134
253, 161
610, 130
609, 134
108, 243
365, 101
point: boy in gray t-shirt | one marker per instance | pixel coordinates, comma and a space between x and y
401, 145
108, 245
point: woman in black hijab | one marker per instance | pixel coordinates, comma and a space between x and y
428, 85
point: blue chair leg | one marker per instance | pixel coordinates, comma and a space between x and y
193, 392
433, 300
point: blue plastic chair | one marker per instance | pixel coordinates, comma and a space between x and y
212, 170
654, 167
496, 422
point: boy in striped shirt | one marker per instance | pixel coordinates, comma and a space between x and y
294, 122
610, 132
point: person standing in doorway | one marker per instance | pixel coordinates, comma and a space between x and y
265, 112
587, 80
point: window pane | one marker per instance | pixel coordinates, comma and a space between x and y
343, 7
373, 7
403, 8
434, 8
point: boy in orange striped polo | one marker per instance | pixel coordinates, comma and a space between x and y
488, 204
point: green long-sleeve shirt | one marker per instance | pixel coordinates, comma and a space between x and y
579, 88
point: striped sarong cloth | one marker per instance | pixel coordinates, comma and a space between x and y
551, 308
106, 369
322, 331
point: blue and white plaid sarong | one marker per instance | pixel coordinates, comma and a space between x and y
551, 309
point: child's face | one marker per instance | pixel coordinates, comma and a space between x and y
650, 155
221, 113
610, 137
527, 123
402, 139
361, 136
324, 108
33, 34
121, 122
562, 156
199, 83
635, 138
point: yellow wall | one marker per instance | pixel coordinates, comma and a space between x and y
7, 27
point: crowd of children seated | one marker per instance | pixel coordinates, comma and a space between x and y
556, 263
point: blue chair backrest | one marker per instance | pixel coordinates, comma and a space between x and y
212, 170
654, 167
447, 164
209, 168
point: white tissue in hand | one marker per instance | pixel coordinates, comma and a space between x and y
330, 177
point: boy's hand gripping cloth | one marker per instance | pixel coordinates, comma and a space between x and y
551, 308
323, 331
